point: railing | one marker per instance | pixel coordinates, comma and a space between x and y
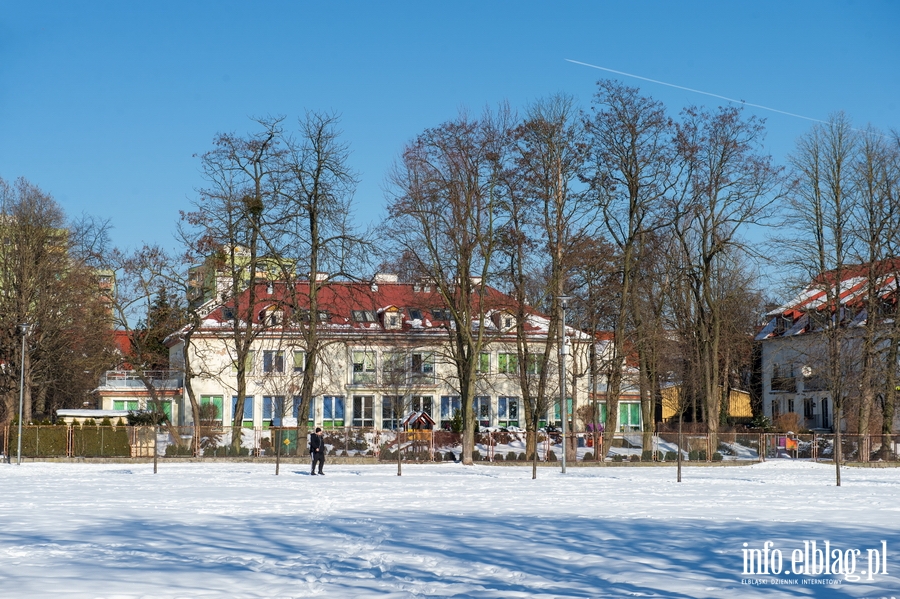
161, 379
214, 440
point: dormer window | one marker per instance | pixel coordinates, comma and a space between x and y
303, 316
392, 319
363, 316
415, 313
441, 314
504, 320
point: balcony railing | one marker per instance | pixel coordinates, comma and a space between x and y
123, 379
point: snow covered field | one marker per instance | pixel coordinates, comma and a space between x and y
443, 530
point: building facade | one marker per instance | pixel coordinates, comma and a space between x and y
385, 352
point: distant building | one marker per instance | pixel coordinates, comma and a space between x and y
794, 342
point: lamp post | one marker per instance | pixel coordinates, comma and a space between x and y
24, 330
563, 352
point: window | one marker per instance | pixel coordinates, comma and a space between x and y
130, 405
507, 363
629, 416
790, 403
558, 420
484, 362
422, 366
332, 411
363, 367
217, 401
393, 368
392, 320
165, 405
450, 404
783, 378
507, 411
507, 322
311, 416
825, 419
273, 362
363, 316
535, 364
482, 407
248, 362
303, 316
299, 361
809, 408
441, 314
273, 410
421, 403
391, 411
415, 313
248, 409
363, 410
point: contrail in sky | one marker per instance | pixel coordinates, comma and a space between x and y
696, 91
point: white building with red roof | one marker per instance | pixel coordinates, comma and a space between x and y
794, 340
367, 330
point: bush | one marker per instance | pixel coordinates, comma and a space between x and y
177, 450
717, 457
671, 456
387, 454
588, 456
647, 455
523, 457
617, 458
702, 455
476, 455
456, 422
498, 457
437, 456
635, 458
39, 441
511, 456
100, 442
226, 451
449, 456
551, 456
693, 455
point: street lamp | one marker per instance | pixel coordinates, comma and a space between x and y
24, 330
563, 352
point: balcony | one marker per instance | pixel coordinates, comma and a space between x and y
784, 383
129, 379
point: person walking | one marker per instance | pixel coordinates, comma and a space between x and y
317, 451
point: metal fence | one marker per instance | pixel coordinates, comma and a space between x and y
212, 441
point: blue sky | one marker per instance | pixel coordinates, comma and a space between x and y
105, 104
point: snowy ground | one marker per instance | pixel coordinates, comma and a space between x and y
442, 530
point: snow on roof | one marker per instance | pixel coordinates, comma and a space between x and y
92, 413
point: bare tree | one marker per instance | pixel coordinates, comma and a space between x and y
311, 233
631, 177
819, 211
230, 220
445, 195
547, 215
727, 185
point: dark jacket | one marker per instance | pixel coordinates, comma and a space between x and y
316, 443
